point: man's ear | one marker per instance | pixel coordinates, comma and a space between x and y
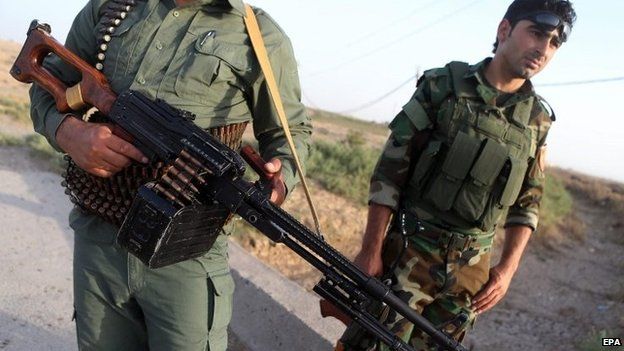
504, 30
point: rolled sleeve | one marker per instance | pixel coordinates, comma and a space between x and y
524, 217
525, 211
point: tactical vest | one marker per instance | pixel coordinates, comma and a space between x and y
475, 162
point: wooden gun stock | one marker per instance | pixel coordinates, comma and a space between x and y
273, 180
329, 310
92, 90
253, 158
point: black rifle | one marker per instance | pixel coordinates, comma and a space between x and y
166, 134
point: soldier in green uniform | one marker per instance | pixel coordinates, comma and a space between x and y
467, 148
197, 56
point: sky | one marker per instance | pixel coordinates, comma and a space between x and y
361, 57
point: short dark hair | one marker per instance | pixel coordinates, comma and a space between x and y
562, 8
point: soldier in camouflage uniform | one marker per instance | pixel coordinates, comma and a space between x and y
196, 55
467, 148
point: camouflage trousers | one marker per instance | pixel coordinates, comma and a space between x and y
437, 275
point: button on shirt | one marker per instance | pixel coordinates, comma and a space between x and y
197, 58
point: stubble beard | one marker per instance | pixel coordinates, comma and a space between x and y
523, 72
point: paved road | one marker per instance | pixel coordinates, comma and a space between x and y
271, 313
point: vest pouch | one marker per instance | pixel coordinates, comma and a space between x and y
493, 210
489, 124
473, 196
456, 165
514, 182
422, 169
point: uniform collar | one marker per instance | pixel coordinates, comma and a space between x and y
237, 5
488, 93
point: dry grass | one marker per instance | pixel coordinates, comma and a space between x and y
605, 195
11, 88
559, 223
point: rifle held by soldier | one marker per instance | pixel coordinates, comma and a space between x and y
202, 170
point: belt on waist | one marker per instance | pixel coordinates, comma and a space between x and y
456, 241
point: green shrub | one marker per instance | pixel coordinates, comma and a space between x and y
18, 110
355, 139
343, 168
10, 140
556, 203
39, 148
559, 224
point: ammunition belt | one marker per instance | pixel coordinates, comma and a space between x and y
111, 198
113, 13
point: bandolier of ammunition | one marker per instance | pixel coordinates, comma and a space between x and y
111, 198
114, 13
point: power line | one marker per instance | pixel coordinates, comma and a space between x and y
392, 91
310, 102
392, 24
386, 45
581, 82
373, 102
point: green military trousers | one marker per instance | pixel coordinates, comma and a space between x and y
121, 304
437, 275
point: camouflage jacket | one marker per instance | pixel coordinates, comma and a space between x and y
448, 107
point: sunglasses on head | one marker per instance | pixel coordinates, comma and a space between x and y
550, 21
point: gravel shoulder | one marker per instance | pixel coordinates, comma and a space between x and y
35, 257
559, 298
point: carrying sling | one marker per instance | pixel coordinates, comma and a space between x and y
265, 65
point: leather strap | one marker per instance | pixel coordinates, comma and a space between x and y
265, 65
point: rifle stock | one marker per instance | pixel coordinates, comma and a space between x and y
166, 134
92, 90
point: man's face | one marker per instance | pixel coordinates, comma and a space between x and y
527, 48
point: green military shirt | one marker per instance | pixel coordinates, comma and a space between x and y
197, 58
424, 112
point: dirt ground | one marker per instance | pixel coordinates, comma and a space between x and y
557, 300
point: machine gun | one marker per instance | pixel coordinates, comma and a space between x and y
215, 174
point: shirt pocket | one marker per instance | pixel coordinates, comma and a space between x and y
216, 72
